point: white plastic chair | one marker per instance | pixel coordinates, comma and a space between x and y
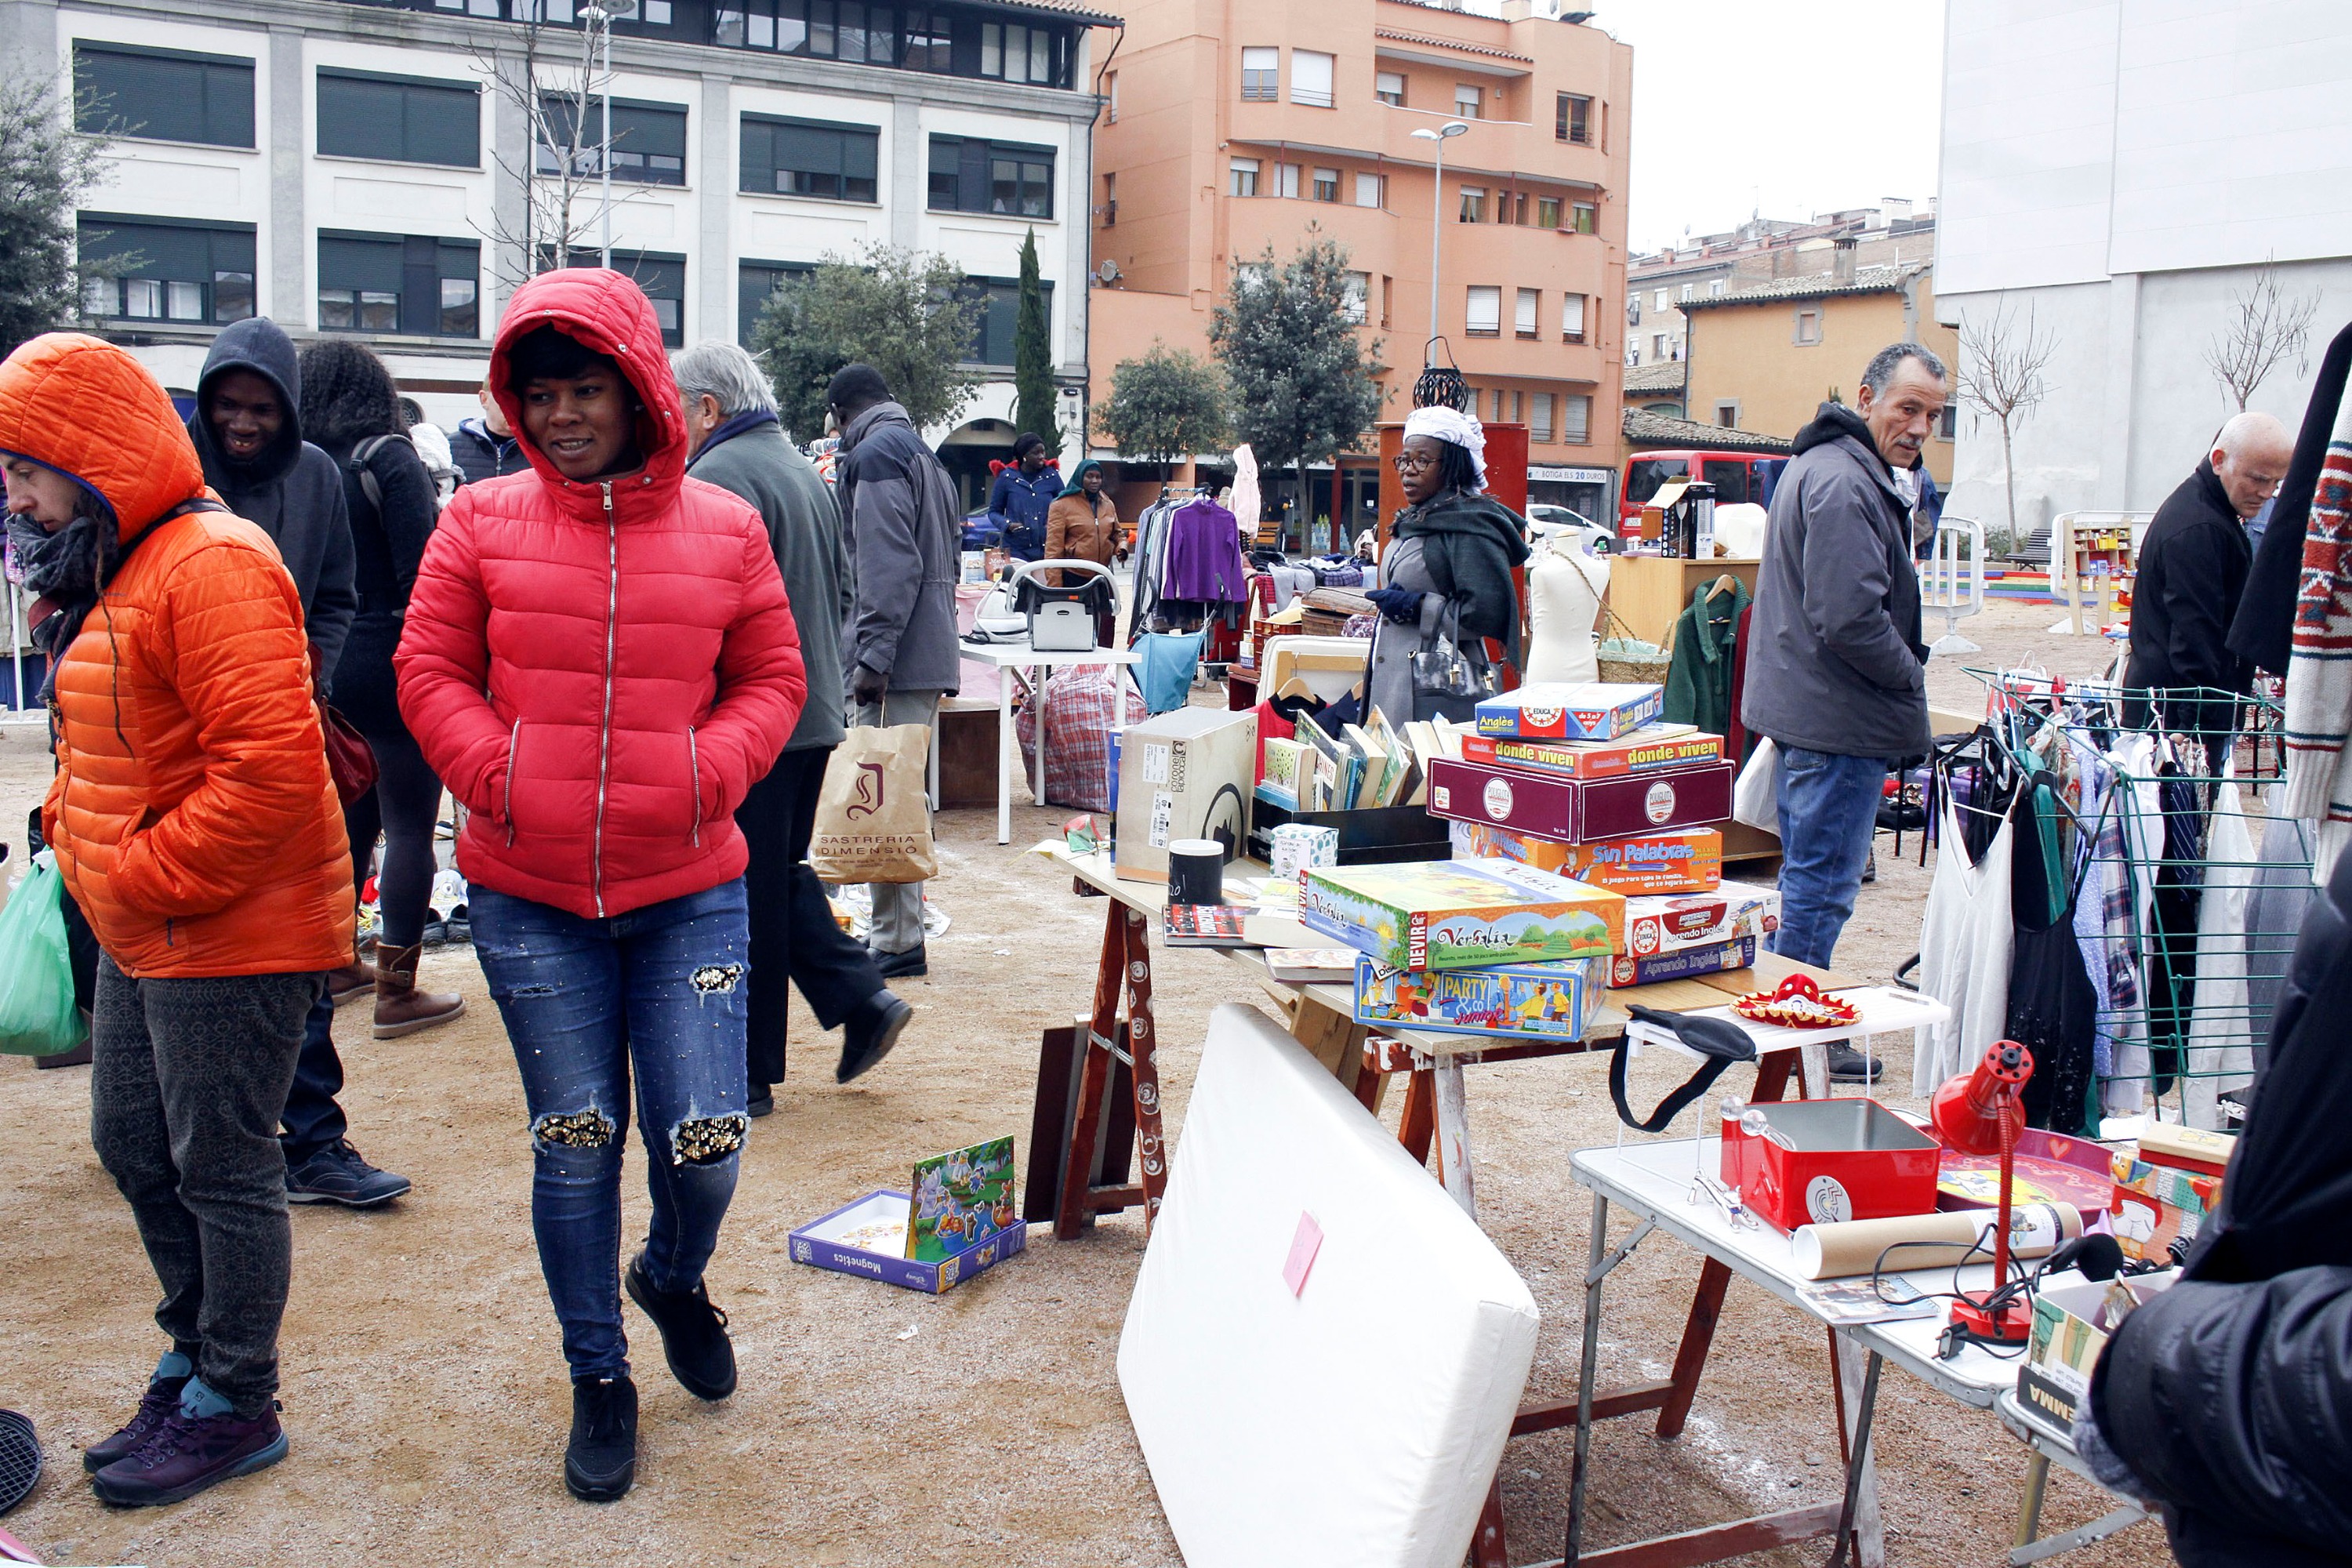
1954, 581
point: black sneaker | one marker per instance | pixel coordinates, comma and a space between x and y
186, 1453
761, 1100
336, 1174
599, 1463
693, 1331
870, 1033
161, 1398
1848, 1065
907, 965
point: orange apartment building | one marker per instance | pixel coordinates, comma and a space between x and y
1226, 128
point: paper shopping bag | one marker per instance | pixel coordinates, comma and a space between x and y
873, 823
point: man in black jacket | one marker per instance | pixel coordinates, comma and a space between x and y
247, 429
2192, 569
486, 449
2225, 1398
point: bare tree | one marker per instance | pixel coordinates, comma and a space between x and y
558, 93
2270, 327
2002, 362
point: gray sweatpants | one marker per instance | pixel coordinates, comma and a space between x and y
897, 906
188, 1080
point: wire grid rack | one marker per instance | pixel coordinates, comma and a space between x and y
2158, 805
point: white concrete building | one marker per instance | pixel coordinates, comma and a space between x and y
2120, 169
344, 166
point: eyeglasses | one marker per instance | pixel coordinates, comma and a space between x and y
1404, 461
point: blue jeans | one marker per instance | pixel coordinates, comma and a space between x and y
661, 990
1829, 810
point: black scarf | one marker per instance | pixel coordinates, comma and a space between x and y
66, 571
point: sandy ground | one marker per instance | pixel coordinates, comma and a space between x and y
426, 1398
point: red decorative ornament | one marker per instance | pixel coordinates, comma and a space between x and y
1797, 1004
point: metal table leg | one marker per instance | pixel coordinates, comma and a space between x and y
2028, 1507
1586, 1370
2099, 1529
1007, 748
1857, 1462
1454, 1134
1037, 696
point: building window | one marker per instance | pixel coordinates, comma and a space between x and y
416, 285
662, 277
755, 283
1110, 96
970, 175
1485, 315
999, 315
1327, 184
1249, 274
1519, 407
1571, 318
917, 39
1658, 347
1660, 300
1261, 74
648, 140
1359, 286
1473, 204
1527, 313
1947, 424
1241, 177
1469, 100
1110, 200
1008, 52
1573, 118
1547, 212
1726, 414
1688, 291
194, 272
1285, 177
811, 158
399, 118
1718, 287
930, 45
1575, 419
1808, 327
1389, 87
1539, 421
1583, 218
1371, 190
162, 95
1497, 415
1310, 78
1634, 310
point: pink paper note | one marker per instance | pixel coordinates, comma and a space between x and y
1303, 1247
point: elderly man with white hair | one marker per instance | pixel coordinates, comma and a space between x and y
2192, 568
740, 444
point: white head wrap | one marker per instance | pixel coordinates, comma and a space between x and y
1452, 424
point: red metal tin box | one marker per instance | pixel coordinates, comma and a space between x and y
1577, 810
1817, 1161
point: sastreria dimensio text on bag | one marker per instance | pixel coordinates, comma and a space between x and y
38, 1016
873, 823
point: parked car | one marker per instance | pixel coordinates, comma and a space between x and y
1737, 477
978, 532
1545, 520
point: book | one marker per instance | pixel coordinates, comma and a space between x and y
1285, 763
1398, 765
1368, 746
1203, 925
1311, 966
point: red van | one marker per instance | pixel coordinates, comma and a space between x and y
1736, 476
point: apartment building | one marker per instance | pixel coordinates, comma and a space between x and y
1226, 132
358, 168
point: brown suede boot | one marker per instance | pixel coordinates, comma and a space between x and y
351, 980
400, 1007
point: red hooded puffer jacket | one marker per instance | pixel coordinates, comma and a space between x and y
600, 670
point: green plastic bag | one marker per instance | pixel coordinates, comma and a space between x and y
38, 1016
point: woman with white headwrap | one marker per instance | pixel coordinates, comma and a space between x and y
1448, 566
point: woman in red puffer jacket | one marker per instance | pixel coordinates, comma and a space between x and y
599, 660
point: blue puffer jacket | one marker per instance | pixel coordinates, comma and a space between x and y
1018, 503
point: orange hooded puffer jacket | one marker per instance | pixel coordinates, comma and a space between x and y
191, 813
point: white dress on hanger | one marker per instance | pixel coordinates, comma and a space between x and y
2221, 1044
1564, 588
1966, 945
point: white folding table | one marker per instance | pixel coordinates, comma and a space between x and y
1033, 667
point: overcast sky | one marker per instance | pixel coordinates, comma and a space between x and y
1792, 107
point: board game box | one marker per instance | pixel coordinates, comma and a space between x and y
1577, 811
1684, 860
1520, 1001
957, 1218
1688, 963
1462, 914
1646, 749
1591, 711
1729, 911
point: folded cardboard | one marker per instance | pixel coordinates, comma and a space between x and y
2154, 1205
2187, 1148
1689, 964
2071, 1325
1646, 749
1672, 922
1686, 860
1578, 811
1183, 775
1518, 1001
1593, 710
1462, 914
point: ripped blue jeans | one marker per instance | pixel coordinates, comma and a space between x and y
660, 991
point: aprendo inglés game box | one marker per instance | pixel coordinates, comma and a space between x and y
1518, 1001
1689, 964
1591, 711
1729, 911
1462, 914
1684, 860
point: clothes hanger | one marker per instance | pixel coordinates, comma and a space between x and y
1723, 585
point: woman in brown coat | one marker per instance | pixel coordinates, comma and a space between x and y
1083, 525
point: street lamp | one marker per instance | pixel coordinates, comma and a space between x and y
598, 16
1436, 219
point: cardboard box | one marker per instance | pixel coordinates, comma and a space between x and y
1295, 848
1518, 1001
1646, 749
1578, 811
1594, 711
1687, 861
831, 1243
1625, 970
1671, 924
2071, 1325
1462, 914
2154, 1205
1188, 774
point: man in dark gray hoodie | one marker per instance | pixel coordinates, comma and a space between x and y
247, 429
1836, 672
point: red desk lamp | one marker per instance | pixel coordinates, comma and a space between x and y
1982, 1112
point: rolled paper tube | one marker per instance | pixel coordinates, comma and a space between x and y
1196, 871
1834, 1251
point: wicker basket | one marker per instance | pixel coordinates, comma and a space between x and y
1650, 671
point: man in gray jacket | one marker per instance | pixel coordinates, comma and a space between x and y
1836, 672
737, 445
904, 550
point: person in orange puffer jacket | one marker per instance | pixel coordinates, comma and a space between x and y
194, 821
599, 661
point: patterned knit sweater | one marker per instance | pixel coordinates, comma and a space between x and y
2319, 670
